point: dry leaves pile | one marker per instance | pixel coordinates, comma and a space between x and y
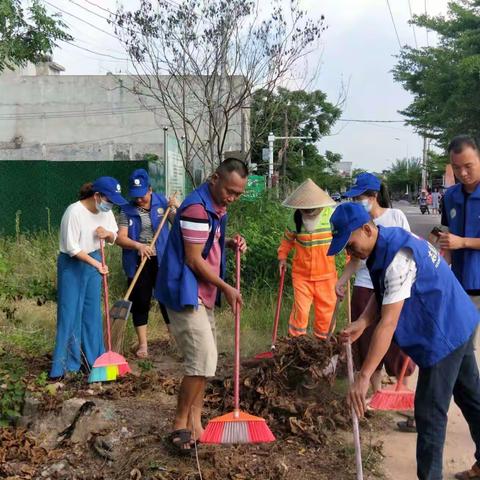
293, 391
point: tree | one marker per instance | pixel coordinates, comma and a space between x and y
202, 61
445, 79
403, 173
296, 113
27, 35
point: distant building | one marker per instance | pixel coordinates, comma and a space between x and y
48, 116
344, 169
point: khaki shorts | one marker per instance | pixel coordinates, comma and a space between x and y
195, 333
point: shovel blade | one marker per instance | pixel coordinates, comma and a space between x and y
120, 310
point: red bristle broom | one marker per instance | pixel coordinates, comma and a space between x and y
109, 365
397, 398
237, 426
270, 353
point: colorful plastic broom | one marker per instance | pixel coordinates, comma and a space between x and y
109, 365
237, 426
397, 398
270, 353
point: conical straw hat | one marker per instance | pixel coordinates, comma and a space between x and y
308, 195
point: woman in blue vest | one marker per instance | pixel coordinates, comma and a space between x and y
425, 310
79, 338
137, 225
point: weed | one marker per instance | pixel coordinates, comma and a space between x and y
42, 379
145, 365
12, 389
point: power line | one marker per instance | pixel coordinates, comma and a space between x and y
413, 26
358, 120
95, 52
76, 113
394, 26
97, 140
82, 20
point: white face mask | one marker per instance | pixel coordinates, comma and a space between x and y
310, 219
366, 205
103, 206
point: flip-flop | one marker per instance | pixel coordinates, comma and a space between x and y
472, 474
177, 442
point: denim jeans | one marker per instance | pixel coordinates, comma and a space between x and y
455, 375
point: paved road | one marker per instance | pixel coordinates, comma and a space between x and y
420, 224
399, 448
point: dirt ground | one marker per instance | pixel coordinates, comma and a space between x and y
73, 430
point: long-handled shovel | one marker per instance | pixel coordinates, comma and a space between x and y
356, 428
121, 308
270, 353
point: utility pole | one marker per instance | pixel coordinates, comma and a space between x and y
424, 164
165, 158
271, 139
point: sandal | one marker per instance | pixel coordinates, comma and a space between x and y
407, 426
472, 474
179, 442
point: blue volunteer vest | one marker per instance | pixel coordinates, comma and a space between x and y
159, 205
439, 316
179, 287
464, 221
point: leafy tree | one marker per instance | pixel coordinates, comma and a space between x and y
295, 113
27, 34
445, 79
402, 173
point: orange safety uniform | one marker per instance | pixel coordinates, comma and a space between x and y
314, 276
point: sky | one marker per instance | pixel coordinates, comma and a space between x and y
357, 51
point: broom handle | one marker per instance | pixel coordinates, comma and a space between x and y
152, 243
402, 374
236, 373
351, 379
105, 295
279, 306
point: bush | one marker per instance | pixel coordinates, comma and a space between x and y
262, 222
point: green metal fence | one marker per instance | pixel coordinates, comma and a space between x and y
35, 193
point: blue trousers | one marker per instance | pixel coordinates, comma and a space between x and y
79, 336
457, 375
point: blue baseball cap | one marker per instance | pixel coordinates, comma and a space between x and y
138, 183
110, 187
346, 218
362, 183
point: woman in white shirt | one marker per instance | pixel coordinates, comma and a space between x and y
79, 338
373, 195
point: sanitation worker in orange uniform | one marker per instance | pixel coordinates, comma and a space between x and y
313, 272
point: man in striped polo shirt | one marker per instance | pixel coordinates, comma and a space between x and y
194, 266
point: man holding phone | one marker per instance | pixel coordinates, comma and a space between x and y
461, 214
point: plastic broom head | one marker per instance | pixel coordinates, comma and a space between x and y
110, 358
393, 399
103, 374
237, 427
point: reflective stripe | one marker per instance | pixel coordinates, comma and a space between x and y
313, 243
296, 329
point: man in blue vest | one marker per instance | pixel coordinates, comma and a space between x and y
194, 269
138, 223
425, 310
461, 214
